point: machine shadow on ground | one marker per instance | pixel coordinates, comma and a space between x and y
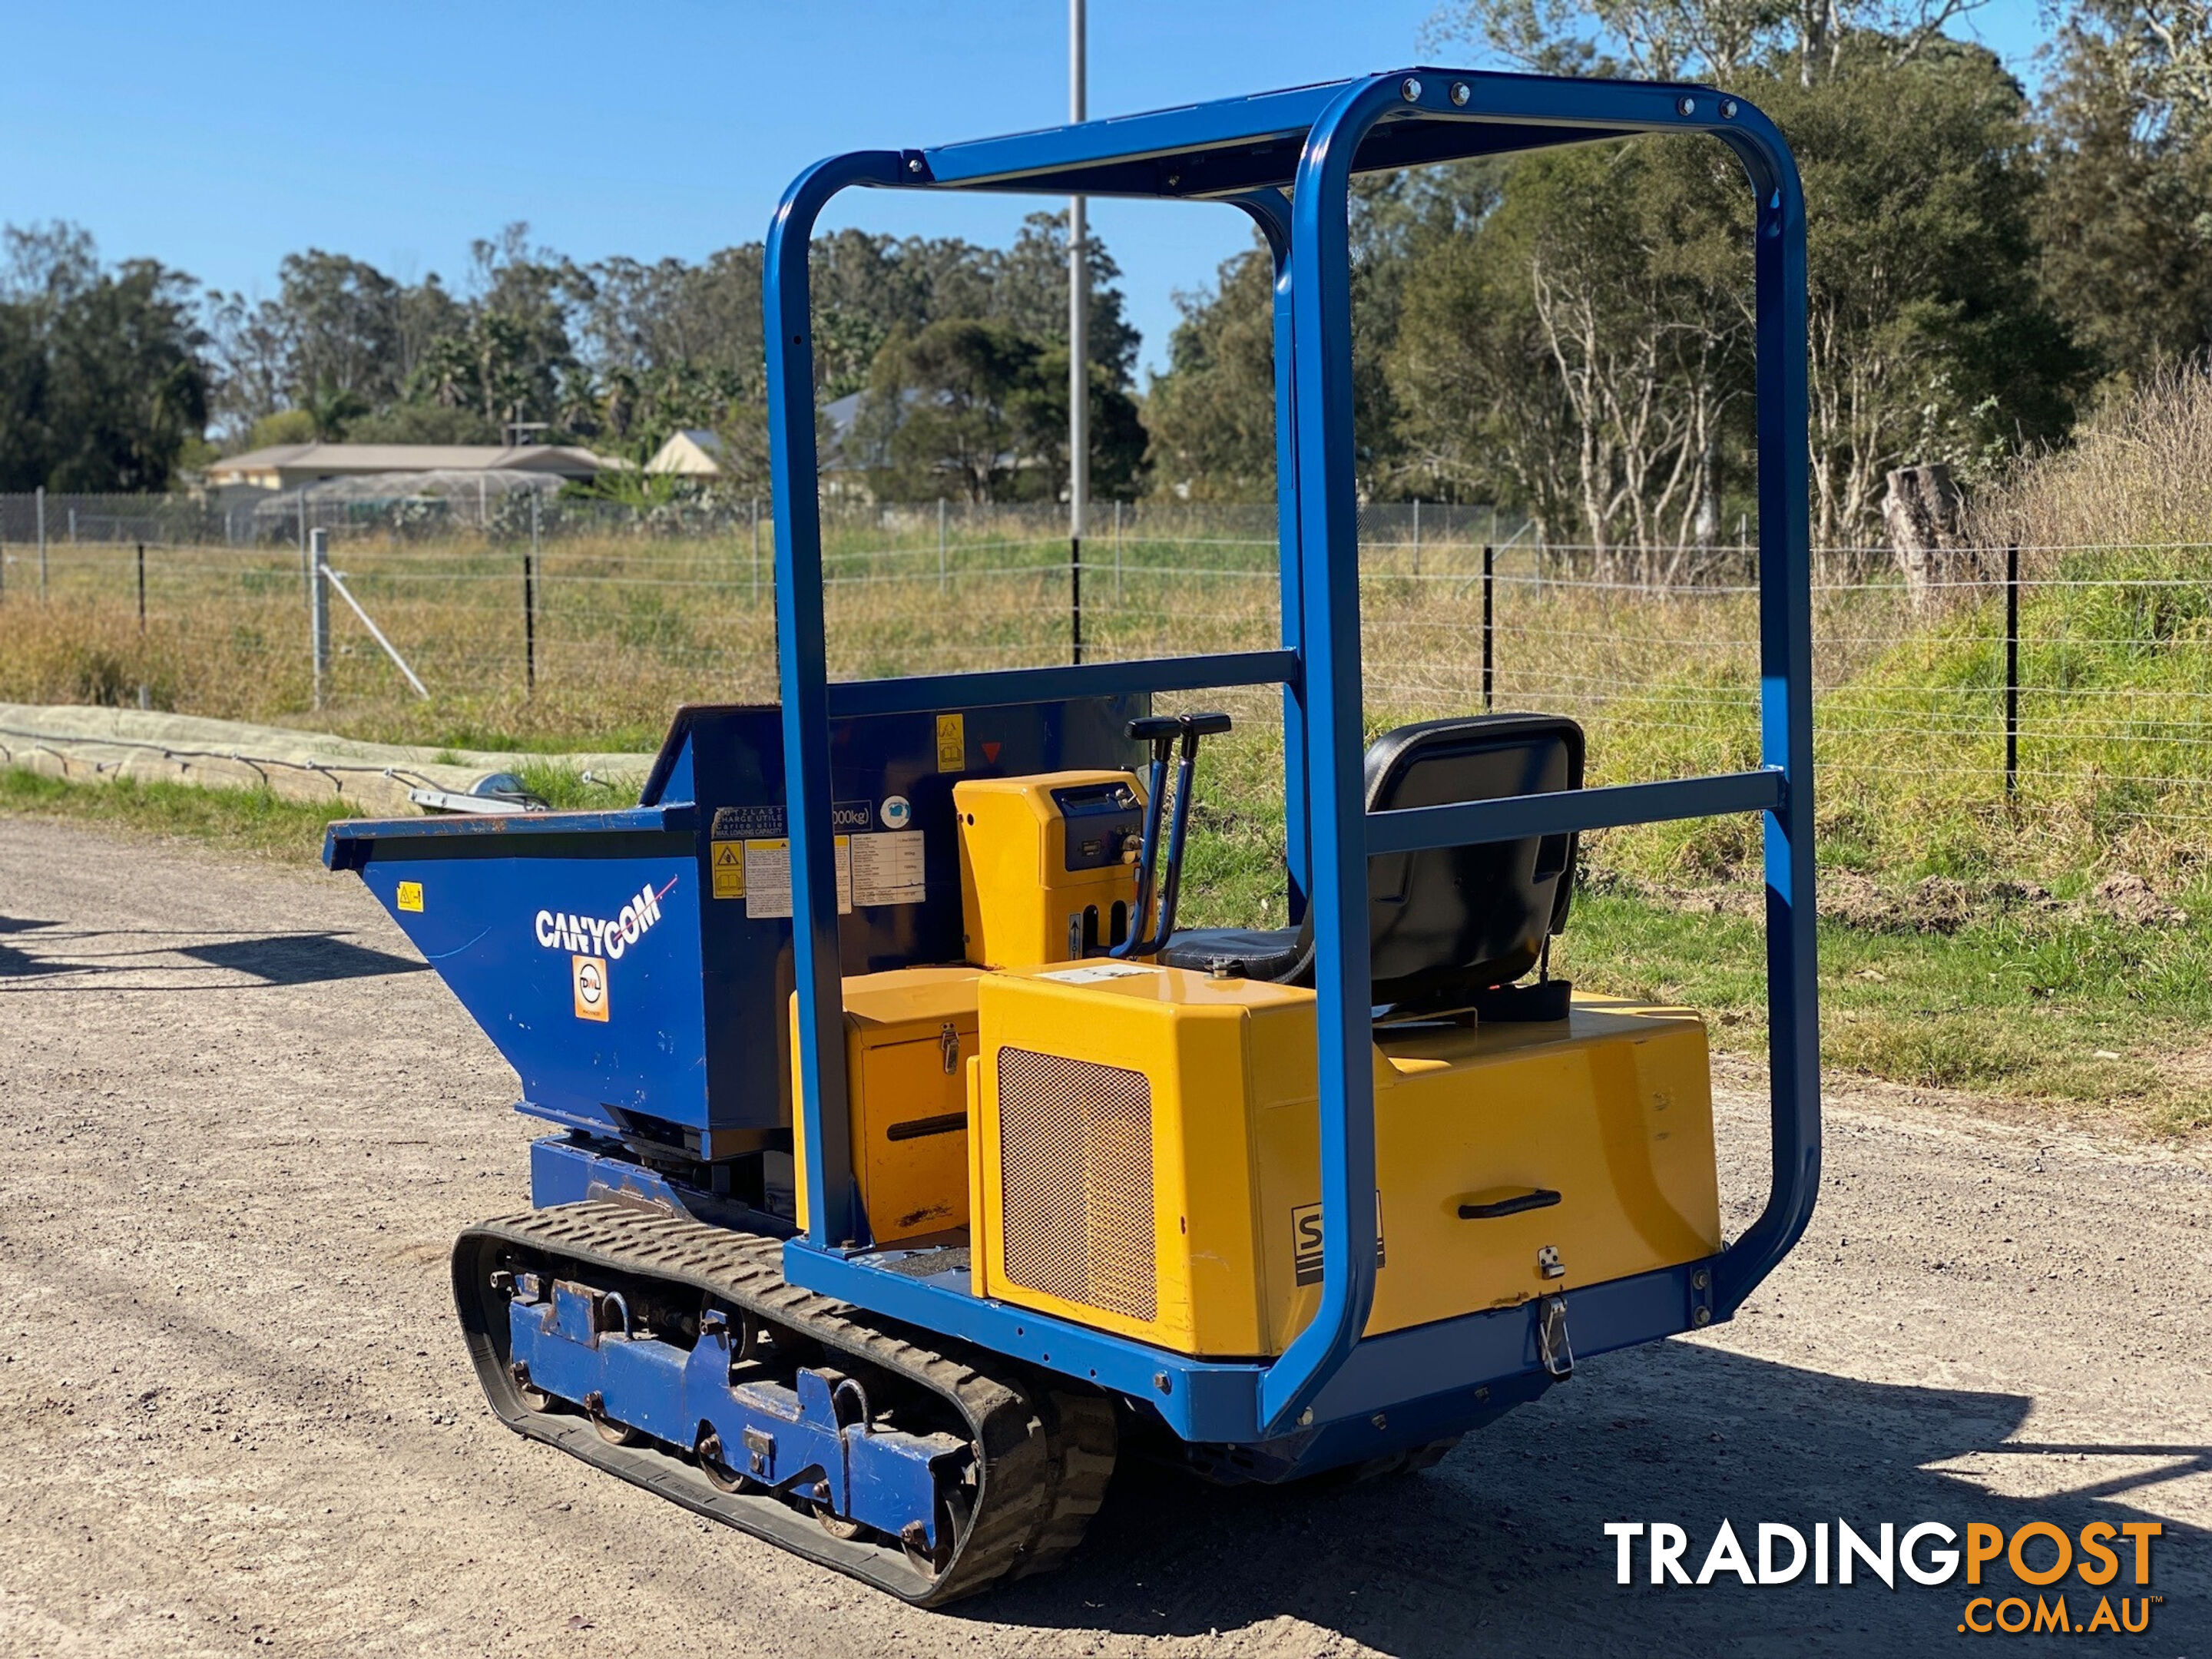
302, 958
274, 959
1500, 1549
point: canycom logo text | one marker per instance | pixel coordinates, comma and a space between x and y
601, 936
2039, 1553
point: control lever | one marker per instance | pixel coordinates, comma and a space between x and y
1166, 734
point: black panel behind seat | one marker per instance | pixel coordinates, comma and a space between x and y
1447, 924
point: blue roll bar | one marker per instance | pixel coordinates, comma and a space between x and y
1246, 153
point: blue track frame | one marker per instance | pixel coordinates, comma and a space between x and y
1246, 152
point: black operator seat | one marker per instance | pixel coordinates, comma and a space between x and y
1450, 926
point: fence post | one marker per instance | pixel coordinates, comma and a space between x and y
2012, 671
307, 560
318, 608
940, 543
756, 549
530, 566
1489, 619
1416, 535
1117, 552
142, 587
1075, 600
42, 544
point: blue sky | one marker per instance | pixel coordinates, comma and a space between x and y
218, 138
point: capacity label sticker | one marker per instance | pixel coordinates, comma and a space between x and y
768, 877
887, 869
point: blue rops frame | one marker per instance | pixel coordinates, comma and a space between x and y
1248, 152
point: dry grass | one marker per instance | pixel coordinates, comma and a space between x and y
2138, 475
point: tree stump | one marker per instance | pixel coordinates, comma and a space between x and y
1922, 513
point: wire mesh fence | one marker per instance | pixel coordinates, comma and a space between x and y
2080, 687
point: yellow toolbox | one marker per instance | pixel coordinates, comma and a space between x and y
908, 1037
1145, 1156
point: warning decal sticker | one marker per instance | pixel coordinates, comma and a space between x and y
411, 896
952, 743
728, 863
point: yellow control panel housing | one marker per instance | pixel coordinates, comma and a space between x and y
1145, 1156
909, 1035
1048, 870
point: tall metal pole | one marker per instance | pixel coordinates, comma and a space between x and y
319, 609
2012, 672
531, 564
1078, 349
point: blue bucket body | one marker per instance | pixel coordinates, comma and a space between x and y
593, 948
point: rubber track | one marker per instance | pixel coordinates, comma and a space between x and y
1044, 1454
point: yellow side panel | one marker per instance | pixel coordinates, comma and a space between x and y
911, 1136
908, 1107
1615, 1114
1018, 901
1611, 1111
1194, 1058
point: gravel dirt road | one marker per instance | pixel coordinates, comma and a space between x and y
240, 1124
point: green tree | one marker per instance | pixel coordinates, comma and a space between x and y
342, 319
1212, 413
951, 410
107, 382
2126, 213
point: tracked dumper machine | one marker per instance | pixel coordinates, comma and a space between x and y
913, 1163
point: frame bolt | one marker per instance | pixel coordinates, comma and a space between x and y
1482, 1394
1728, 109
914, 164
1701, 1316
1162, 1382
1700, 1280
1305, 1418
1460, 92
1686, 106
1380, 1420
1410, 89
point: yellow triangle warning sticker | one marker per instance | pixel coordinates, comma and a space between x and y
728, 863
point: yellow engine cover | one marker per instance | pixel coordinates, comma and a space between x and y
1145, 1156
1036, 884
909, 1035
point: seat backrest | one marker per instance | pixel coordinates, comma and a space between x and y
1450, 922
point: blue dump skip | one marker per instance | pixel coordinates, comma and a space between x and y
635, 966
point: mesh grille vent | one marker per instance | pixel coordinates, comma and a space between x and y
1075, 1153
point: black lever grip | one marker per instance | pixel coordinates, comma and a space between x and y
1153, 727
1204, 726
